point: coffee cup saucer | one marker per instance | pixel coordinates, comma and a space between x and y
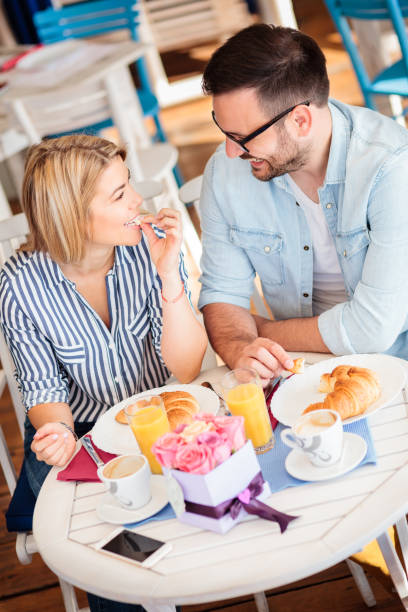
110, 510
300, 467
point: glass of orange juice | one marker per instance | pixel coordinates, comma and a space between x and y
244, 396
148, 420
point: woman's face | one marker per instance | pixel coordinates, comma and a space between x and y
114, 204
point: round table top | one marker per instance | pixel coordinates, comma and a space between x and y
337, 518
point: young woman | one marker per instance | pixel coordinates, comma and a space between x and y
94, 307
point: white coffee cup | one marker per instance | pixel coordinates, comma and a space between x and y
128, 479
319, 434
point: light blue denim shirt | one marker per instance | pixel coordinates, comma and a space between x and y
250, 227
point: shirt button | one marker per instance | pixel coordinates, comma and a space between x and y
116, 379
305, 295
328, 205
345, 253
112, 346
267, 249
306, 248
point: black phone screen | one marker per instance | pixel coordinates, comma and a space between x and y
132, 545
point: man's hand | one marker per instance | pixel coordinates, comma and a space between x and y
264, 356
54, 444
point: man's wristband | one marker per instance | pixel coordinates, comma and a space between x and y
69, 429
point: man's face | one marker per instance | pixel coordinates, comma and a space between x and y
272, 153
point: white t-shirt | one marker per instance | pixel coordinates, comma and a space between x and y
328, 283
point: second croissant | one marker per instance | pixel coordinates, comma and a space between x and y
350, 391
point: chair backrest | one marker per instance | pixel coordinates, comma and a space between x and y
89, 19
175, 25
393, 10
12, 234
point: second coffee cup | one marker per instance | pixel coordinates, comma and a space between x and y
128, 479
319, 434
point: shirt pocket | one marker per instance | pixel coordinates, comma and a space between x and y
74, 353
352, 248
264, 250
140, 325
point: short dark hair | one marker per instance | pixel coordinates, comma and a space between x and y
283, 65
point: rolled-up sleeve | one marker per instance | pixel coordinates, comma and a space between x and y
227, 273
377, 313
38, 375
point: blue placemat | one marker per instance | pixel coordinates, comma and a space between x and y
273, 463
273, 466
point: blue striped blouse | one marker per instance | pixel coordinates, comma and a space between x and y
62, 349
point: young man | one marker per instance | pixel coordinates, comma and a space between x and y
308, 193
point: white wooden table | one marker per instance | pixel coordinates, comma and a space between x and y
37, 106
337, 518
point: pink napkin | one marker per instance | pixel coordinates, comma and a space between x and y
82, 467
268, 398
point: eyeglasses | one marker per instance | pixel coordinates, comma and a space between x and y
241, 142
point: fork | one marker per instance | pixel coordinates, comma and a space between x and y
223, 406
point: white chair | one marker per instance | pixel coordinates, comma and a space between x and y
93, 99
12, 143
170, 25
12, 233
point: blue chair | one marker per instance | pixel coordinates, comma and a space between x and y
92, 19
394, 78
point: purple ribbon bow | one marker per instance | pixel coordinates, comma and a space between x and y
245, 499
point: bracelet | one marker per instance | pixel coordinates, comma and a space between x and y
69, 429
176, 299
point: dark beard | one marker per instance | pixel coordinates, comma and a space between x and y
297, 160
296, 163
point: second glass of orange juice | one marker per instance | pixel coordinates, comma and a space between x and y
148, 419
244, 396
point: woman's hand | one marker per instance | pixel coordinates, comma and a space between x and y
54, 444
164, 251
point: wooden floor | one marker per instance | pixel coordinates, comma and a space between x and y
34, 588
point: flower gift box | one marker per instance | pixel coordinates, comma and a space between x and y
213, 474
210, 498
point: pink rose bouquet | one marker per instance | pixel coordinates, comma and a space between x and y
199, 447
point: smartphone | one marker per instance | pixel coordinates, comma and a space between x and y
133, 547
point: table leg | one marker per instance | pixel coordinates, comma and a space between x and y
156, 607
395, 568
261, 602
279, 12
376, 57
127, 116
402, 530
362, 583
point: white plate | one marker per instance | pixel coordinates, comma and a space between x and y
110, 511
354, 451
113, 437
300, 390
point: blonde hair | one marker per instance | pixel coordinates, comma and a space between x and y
59, 184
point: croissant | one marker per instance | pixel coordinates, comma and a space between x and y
351, 391
180, 407
298, 366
